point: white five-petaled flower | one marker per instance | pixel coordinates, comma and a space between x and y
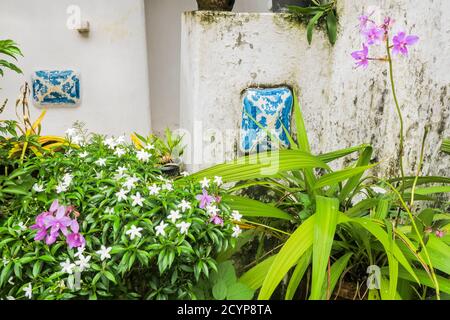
28, 291
121, 195
212, 210
236, 216
130, 183
77, 140
120, 140
167, 186
109, 210
83, 154
79, 252
184, 205
137, 200
205, 183
101, 162
121, 170
160, 230
110, 142
104, 253
21, 226
149, 147
218, 181
61, 187
119, 152
38, 187
67, 267
154, 189
71, 132
184, 227
236, 231
174, 215
83, 262
185, 173
134, 232
143, 155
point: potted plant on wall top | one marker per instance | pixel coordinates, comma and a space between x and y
215, 5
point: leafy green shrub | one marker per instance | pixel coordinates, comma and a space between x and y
141, 235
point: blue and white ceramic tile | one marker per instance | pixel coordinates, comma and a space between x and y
58, 87
271, 108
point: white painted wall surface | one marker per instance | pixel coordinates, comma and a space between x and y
164, 36
112, 61
224, 54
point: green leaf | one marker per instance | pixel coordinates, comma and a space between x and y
261, 165
298, 274
47, 258
327, 214
328, 157
239, 291
445, 147
312, 23
15, 191
110, 276
432, 190
332, 27
338, 176
294, 248
220, 290
254, 277
336, 271
252, 208
304, 11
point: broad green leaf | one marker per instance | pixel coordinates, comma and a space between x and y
261, 165
239, 291
328, 157
220, 290
254, 277
294, 248
252, 208
298, 274
336, 271
432, 190
325, 222
332, 27
312, 23
339, 176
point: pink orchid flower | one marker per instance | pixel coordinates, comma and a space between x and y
402, 41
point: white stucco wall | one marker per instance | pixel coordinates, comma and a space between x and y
222, 54
112, 61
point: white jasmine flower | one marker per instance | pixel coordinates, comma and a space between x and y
38, 187
167, 186
61, 187
83, 154
137, 200
236, 216
134, 232
236, 231
160, 229
21, 226
101, 162
149, 147
154, 189
109, 210
83, 262
218, 181
28, 291
130, 183
185, 173
174, 215
110, 143
67, 267
120, 140
205, 183
121, 170
119, 152
184, 227
143, 155
79, 252
212, 210
184, 205
77, 140
67, 179
104, 253
71, 132
121, 195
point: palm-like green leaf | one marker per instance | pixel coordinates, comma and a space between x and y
253, 208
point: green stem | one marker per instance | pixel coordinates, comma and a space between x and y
399, 113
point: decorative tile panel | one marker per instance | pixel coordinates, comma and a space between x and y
271, 108
58, 87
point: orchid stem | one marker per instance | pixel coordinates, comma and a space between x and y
399, 112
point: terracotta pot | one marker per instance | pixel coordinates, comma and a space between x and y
215, 5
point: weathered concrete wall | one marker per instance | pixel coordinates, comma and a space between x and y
112, 61
222, 54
